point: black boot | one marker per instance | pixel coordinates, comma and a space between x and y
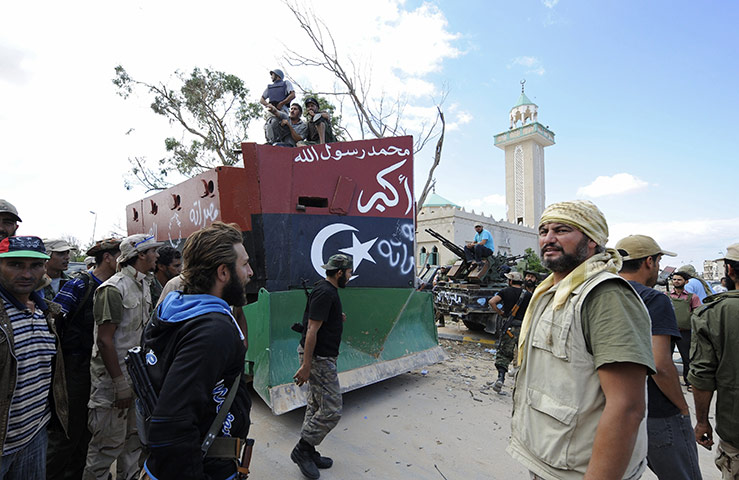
302, 455
322, 462
501, 378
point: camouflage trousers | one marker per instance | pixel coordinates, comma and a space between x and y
507, 348
323, 411
727, 460
114, 436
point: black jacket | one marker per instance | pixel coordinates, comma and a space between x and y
194, 363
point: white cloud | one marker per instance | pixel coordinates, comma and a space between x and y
459, 119
615, 185
526, 61
493, 204
693, 240
533, 65
550, 3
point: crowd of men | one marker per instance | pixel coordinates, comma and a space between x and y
284, 125
596, 393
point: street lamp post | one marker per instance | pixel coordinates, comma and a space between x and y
94, 225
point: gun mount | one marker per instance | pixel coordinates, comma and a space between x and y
465, 294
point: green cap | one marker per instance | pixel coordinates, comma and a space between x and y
338, 262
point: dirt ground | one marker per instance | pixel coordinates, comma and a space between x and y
441, 422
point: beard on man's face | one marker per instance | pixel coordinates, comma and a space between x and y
730, 284
234, 293
567, 261
529, 283
341, 280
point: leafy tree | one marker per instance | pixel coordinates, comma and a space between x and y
531, 262
213, 110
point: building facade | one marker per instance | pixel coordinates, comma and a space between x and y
524, 144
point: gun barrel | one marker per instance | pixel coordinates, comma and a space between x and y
455, 249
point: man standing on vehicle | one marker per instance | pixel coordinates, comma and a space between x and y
585, 351
279, 94
481, 248
515, 301
121, 307
323, 324
715, 366
76, 325
195, 358
31, 368
671, 453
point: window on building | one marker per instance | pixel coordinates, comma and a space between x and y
423, 256
434, 257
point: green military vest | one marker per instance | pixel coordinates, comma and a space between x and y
682, 311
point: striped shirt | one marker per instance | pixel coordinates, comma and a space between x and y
34, 347
71, 294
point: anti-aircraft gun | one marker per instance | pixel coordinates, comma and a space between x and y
464, 296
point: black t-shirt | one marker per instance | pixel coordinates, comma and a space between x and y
509, 296
324, 305
664, 322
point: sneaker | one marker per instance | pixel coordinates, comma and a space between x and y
322, 462
305, 463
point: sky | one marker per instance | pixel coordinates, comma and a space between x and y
640, 95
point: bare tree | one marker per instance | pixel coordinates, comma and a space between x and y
381, 118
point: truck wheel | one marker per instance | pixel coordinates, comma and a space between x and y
475, 327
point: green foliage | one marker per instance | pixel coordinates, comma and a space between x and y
325, 106
531, 262
213, 109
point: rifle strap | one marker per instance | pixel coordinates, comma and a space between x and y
218, 421
515, 308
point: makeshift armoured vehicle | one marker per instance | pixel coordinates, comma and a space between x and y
296, 207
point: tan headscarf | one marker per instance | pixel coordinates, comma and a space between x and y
586, 217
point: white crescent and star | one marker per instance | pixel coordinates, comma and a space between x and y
359, 250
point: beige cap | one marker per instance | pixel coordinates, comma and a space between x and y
689, 269
514, 276
135, 244
732, 253
89, 262
7, 207
640, 246
57, 245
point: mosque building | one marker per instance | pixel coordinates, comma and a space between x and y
523, 144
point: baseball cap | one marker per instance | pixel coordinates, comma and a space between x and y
640, 246
478, 224
57, 245
104, 245
89, 261
23, 247
732, 253
338, 262
7, 207
514, 276
135, 244
689, 269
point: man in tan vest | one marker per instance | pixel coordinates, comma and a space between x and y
585, 350
121, 308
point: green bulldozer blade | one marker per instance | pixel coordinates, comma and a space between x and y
388, 331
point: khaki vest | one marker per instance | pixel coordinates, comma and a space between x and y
136, 294
557, 401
